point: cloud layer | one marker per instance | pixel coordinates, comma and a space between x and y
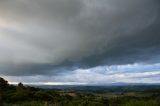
129, 73
47, 37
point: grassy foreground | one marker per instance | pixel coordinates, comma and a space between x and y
21, 95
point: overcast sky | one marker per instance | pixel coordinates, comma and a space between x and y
80, 41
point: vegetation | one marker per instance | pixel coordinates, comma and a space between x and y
21, 95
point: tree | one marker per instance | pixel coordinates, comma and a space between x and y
21, 92
20, 85
3, 83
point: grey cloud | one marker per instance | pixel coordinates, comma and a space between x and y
145, 73
40, 36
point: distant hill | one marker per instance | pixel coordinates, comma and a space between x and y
103, 89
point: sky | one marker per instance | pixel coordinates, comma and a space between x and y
60, 42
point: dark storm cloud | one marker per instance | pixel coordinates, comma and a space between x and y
38, 37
